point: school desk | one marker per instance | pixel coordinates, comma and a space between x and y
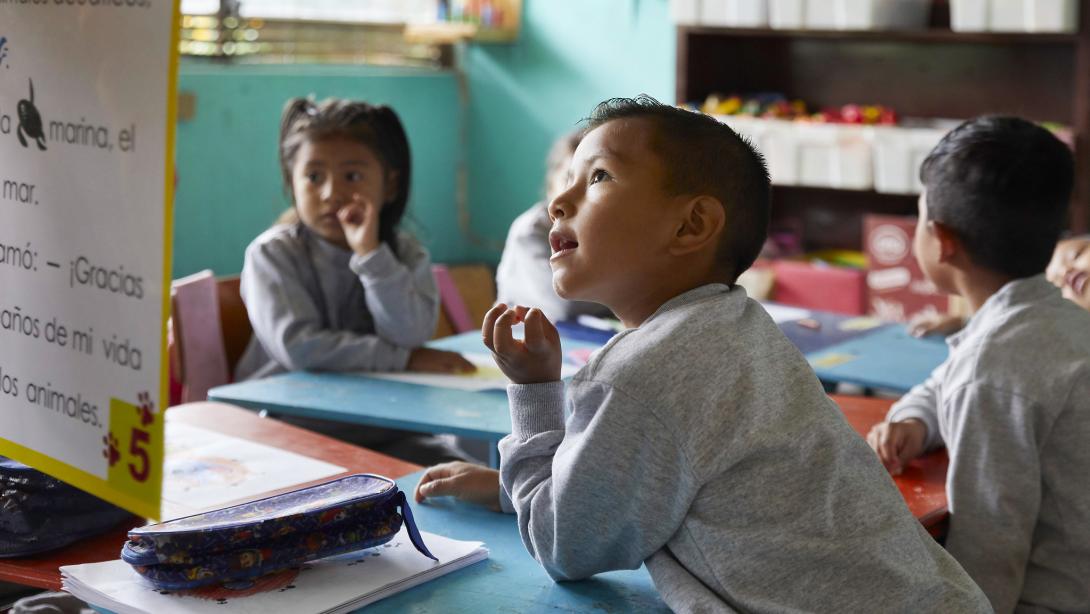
510, 580
887, 358
356, 398
43, 571
817, 331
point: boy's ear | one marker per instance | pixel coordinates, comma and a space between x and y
949, 243
701, 222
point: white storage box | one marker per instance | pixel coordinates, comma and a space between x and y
969, 15
899, 151
866, 14
834, 155
787, 14
1033, 15
775, 139
734, 13
685, 12
1014, 15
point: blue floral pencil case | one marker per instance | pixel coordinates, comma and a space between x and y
269, 535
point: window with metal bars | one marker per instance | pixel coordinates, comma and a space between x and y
310, 31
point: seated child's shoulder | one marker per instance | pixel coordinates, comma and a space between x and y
534, 222
1049, 341
275, 243
718, 335
1055, 323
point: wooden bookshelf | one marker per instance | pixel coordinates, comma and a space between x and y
930, 73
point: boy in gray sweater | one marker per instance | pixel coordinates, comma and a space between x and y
698, 441
1012, 402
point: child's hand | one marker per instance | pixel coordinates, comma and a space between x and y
1063, 257
928, 323
534, 360
429, 360
897, 443
472, 483
359, 219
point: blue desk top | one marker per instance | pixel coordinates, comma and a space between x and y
888, 358
347, 397
510, 580
829, 331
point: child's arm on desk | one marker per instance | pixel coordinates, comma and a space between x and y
465, 481
897, 442
912, 425
929, 323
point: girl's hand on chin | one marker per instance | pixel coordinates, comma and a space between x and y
359, 219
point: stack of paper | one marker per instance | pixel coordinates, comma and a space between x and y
487, 376
338, 584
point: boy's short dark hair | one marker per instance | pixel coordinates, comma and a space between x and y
1002, 184
702, 156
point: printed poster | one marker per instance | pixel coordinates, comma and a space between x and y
87, 95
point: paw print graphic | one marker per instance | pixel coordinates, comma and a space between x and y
145, 409
109, 450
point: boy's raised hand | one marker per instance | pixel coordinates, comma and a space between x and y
465, 481
359, 219
897, 443
534, 360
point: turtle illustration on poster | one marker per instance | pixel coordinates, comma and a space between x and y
30, 121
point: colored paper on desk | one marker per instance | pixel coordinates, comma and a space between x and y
784, 313
337, 584
826, 361
487, 376
207, 470
861, 323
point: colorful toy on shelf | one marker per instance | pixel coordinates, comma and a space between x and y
766, 105
869, 115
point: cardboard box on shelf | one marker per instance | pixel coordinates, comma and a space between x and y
896, 287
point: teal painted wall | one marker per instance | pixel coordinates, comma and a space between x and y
495, 119
571, 54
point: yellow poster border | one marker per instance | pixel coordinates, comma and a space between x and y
73, 475
169, 175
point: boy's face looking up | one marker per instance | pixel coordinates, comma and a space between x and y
615, 237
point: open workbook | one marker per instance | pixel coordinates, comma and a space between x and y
333, 585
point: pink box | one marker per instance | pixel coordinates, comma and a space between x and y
824, 287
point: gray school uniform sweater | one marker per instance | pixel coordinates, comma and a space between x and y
1012, 406
702, 444
316, 306
524, 275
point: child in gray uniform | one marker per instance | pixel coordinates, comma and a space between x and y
1012, 402
698, 441
336, 286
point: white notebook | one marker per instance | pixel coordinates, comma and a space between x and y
337, 584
